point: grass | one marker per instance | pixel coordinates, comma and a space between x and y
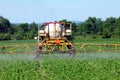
92, 66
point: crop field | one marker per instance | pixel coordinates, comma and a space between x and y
92, 66
76, 40
58, 66
82, 45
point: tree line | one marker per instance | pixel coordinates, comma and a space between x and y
23, 31
110, 28
92, 27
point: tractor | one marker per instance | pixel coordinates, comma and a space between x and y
55, 37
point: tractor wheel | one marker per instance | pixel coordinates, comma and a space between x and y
71, 51
38, 51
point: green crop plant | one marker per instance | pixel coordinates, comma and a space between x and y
92, 66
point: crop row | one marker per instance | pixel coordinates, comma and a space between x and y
83, 67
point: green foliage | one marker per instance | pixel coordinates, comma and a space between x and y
4, 25
94, 27
21, 31
4, 29
5, 36
25, 31
105, 66
74, 26
74, 69
109, 27
20, 70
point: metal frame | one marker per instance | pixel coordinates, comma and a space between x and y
61, 44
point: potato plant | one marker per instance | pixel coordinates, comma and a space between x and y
97, 66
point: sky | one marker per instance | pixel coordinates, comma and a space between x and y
21, 11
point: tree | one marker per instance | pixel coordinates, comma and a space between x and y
4, 29
33, 27
117, 28
74, 26
24, 27
4, 25
109, 27
92, 26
